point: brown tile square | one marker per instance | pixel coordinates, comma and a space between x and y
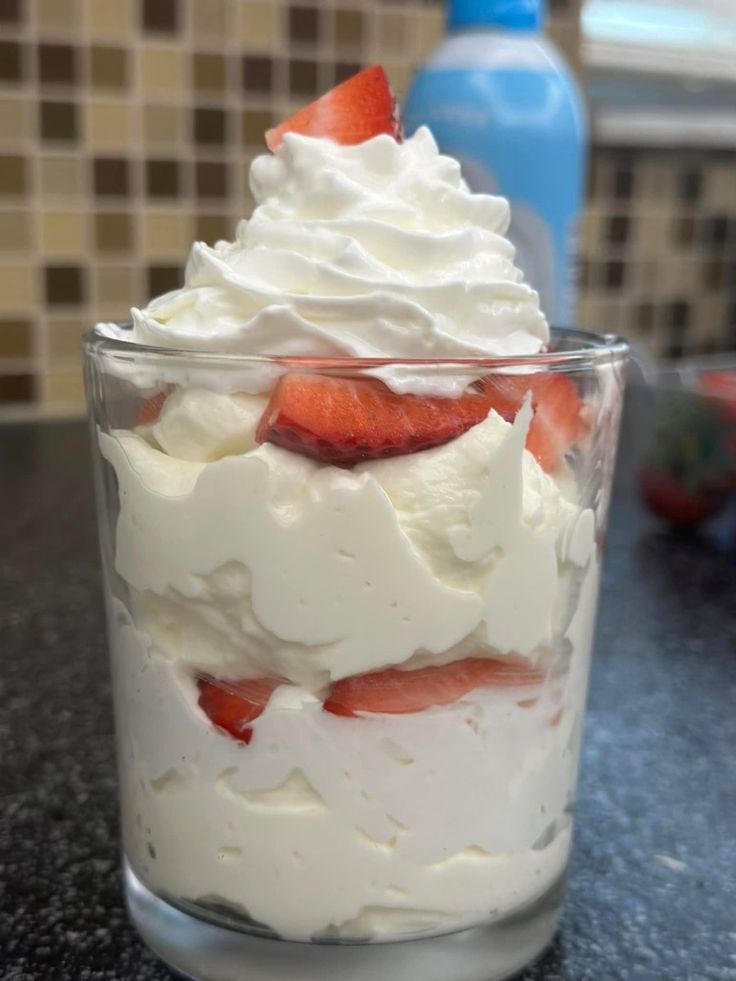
161, 16
113, 232
714, 274
114, 285
211, 179
345, 70
11, 61
64, 233
690, 185
210, 20
254, 123
162, 178
260, 25
303, 77
257, 73
11, 11
614, 275
162, 279
210, 126
61, 176
618, 230
348, 27
304, 24
16, 388
110, 128
110, 20
209, 72
111, 176
162, 125
15, 231
166, 235
15, 120
108, 67
18, 289
212, 228
161, 68
57, 64
13, 175
16, 338
59, 16
64, 339
59, 121
64, 285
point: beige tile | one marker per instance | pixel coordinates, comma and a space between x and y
652, 232
64, 388
17, 293
114, 285
59, 16
656, 182
591, 230
260, 25
720, 186
64, 233
210, 19
109, 125
162, 69
61, 176
110, 19
430, 27
63, 339
162, 125
15, 231
167, 234
392, 34
15, 121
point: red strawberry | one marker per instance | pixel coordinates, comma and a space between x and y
671, 500
557, 422
151, 408
352, 112
398, 692
721, 385
231, 705
346, 420
343, 421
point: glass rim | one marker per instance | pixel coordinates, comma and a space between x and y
590, 348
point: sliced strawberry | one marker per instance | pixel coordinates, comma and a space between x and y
231, 705
681, 506
343, 421
151, 408
354, 111
397, 692
346, 420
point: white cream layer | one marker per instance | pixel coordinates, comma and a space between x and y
371, 828
317, 573
375, 250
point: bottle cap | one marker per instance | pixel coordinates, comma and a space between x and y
515, 15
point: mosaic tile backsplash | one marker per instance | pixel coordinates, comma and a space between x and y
127, 128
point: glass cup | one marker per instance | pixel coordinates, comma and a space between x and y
350, 633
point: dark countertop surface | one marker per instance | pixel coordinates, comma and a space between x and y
652, 892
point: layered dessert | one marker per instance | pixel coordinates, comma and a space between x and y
355, 569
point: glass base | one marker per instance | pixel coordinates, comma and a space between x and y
202, 951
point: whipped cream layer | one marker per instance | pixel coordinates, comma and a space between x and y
268, 563
371, 828
376, 250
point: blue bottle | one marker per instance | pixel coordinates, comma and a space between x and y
499, 97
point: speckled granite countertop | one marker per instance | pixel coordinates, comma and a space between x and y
652, 895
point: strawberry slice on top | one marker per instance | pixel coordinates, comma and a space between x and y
354, 111
232, 705
396, 692
343, 421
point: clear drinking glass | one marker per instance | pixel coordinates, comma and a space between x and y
349, 697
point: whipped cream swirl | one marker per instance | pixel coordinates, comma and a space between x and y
375, 250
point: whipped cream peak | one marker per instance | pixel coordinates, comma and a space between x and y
377, 250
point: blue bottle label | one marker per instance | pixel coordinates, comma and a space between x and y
518, 133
